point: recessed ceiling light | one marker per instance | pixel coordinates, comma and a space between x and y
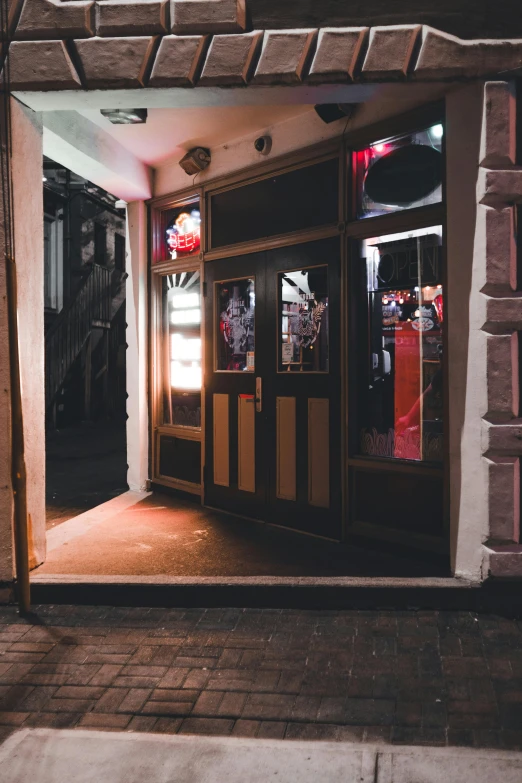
125, 116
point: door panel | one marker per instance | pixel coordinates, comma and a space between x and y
278, 398
314, 385
234, 472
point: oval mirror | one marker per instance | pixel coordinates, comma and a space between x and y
404, 176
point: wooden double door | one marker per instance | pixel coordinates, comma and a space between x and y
273, 386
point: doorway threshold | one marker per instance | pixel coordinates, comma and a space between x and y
149, 549
256, 591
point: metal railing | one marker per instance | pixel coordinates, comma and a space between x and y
90, 308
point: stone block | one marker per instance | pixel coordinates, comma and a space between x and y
178, 60
503, 314
42, 65
390, 51
498, 145
127, 17
338, 53
231, 59
501, 249
14, 9
502, 375
502, 439
505, 563
504, 499
115, 62
284, 56
500, 187
444, 56
53, 19
208, 16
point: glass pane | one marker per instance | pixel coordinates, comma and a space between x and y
401, 400
303, 303
400, 173
235, 341
304, 198
181, 232
181, 325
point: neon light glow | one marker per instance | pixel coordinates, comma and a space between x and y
183, 235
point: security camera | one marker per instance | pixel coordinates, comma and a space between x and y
263, 145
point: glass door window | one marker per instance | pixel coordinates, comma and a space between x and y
235, 332
303, 303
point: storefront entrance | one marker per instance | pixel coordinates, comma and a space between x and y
273, 386
299, 357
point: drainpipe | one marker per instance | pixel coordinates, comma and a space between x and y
19, 476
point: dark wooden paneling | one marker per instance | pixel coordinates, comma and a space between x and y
180, 459
399, 501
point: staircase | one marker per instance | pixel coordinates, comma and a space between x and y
90, 309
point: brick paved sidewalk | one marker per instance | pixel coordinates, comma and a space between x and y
405, 677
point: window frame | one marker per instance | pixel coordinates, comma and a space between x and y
358, 229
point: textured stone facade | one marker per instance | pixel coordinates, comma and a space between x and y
122, 43
500, 191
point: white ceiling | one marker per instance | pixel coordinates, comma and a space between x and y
171, 132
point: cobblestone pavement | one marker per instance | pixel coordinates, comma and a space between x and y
405, 677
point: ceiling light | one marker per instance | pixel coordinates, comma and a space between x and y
125, 116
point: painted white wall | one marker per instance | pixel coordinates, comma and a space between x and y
467, 343
6, 490
137, 347
82, 146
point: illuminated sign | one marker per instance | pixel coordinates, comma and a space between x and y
183, 235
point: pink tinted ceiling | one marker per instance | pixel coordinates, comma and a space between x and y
170, 132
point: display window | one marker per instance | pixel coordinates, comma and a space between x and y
235, 333
304, 323
401, 410
181, 332
400, 173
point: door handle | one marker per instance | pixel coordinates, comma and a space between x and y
259, 395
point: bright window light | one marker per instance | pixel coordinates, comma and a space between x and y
437, 131
184, 349
186, 316
184, 301
185, 376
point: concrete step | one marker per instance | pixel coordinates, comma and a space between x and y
80, 756
279, 592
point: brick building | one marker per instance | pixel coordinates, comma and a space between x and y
323, 317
